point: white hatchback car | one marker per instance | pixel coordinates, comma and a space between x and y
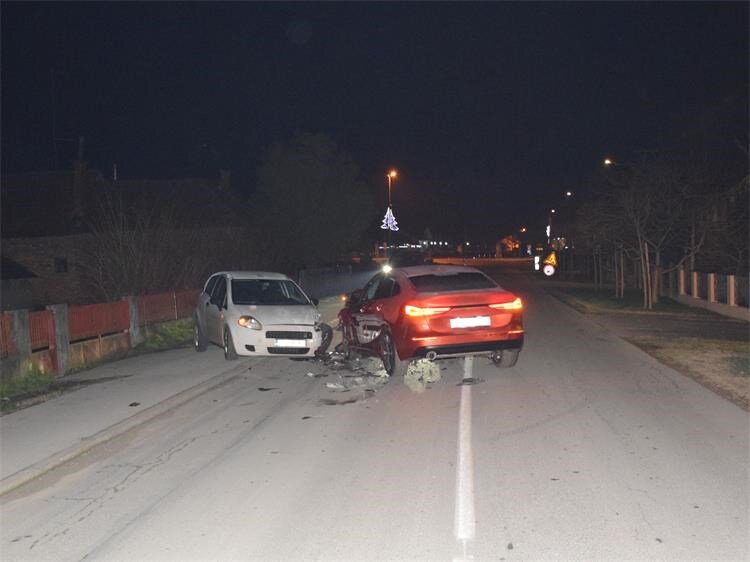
256, 314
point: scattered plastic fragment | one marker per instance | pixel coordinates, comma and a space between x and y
264, 389
134, 404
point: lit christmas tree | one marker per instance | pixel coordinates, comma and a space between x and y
389, 221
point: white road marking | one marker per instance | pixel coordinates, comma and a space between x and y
464, 524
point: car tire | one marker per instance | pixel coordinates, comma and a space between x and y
199, 338
230, 354
392, 363
345, 347
508, 358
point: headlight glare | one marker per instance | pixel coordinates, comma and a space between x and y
249, 322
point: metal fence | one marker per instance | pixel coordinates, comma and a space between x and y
162, 307
96, 320
41, 330
6, 342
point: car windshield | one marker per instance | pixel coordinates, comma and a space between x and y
267, 291
463, 281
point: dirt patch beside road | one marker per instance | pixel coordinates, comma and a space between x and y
711, 349
723, 366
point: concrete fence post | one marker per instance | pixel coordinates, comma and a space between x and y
696, 293
136, 336
681, 281
731, 290
62, 336
711, 289
20, 334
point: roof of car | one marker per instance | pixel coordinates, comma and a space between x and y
413, 271
253, 275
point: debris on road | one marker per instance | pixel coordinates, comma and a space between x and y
134, 404
469, 381
420, 374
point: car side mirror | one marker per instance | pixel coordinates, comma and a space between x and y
315, 301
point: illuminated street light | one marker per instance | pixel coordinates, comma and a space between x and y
392, 175
608, 162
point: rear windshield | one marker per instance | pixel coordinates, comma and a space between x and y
464, 281
266, 291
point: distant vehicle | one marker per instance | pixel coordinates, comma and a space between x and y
435, 312
255, 314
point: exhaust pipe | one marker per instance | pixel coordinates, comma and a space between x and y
431, 355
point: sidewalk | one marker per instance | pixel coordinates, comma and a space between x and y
114, 397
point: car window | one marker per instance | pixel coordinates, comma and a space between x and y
267, 291
219, 294
372, 287
462, 281
386, 288
211, 284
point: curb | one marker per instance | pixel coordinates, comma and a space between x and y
40, 468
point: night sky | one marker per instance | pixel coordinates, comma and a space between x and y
488, 110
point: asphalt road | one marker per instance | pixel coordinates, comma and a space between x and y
588, 448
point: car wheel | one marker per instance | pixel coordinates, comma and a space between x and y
199, 338
229, 352
392, 363
506, 358
345, 346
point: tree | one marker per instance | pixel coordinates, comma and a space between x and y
310, 205
145, 246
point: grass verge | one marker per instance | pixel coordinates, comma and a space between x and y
166, 335
723, 366
24, 386
591, 301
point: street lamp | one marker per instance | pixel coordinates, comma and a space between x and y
392, 175
549, 225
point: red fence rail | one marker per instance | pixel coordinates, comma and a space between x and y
166, 306
94, 320
42, 330
6, 344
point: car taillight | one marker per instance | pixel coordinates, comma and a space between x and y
514, 305
410, 310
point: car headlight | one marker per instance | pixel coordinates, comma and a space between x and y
249, 322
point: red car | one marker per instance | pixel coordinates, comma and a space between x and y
432, 311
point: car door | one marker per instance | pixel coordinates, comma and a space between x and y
379, 308
215, 311
366, 323
204, 299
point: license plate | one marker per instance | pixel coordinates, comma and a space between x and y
471, 322
291, 343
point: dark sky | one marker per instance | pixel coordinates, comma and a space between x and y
488, 110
